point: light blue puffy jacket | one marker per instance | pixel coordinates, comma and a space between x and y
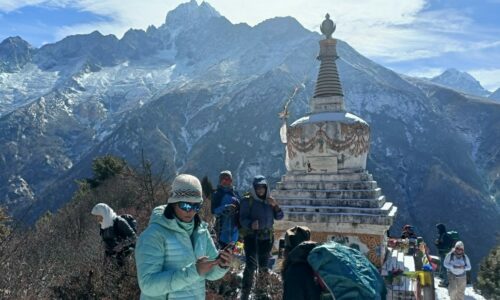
166, 256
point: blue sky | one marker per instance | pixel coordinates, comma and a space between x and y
416, 37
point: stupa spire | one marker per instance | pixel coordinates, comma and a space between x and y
328, 82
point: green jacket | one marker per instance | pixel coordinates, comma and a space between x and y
165, 256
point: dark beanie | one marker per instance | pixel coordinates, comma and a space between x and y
296, 235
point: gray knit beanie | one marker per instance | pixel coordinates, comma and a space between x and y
186, 188
225, 173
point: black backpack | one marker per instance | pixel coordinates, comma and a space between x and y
131, 221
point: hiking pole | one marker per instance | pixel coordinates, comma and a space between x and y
256, 274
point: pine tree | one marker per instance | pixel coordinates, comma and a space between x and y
106, 167
4, 221
488, 279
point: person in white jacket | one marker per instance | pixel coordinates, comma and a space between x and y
457, 263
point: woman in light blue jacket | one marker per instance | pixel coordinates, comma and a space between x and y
176, 254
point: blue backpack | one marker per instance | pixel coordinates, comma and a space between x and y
346, 272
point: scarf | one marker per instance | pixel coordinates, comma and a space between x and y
187, 226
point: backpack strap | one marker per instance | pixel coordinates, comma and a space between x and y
319, 280
326, 293
247, 196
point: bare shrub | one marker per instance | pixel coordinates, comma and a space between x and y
62, 256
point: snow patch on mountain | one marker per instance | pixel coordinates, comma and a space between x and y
22, 87
121, 87
19, 191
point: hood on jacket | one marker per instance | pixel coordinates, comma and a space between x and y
441, 228
107, 213
259, 180
460, 245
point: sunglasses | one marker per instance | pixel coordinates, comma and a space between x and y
188, 206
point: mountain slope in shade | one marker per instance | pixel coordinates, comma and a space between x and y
495, 95
460, 81
204, 100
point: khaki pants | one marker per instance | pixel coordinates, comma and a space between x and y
456, 287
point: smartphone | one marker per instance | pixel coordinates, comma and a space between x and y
229, 247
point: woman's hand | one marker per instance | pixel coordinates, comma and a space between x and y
203, 265
225, 258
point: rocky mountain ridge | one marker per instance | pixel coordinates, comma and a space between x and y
200, 94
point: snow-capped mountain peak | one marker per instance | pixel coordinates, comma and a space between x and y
14, 54
461, 81
190, 13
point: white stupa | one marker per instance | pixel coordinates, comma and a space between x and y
327, 186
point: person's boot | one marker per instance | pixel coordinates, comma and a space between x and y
245, 294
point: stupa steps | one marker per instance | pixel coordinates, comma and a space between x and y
338, 194
337, 177
384, 210
363, 203
327, 185
351, 218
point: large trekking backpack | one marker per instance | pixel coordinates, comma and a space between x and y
216, 199
131, 221
453, 238
346, 272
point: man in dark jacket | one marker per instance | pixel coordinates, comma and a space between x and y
225, 207
443, 244
299, 280
257, 214
117, 235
